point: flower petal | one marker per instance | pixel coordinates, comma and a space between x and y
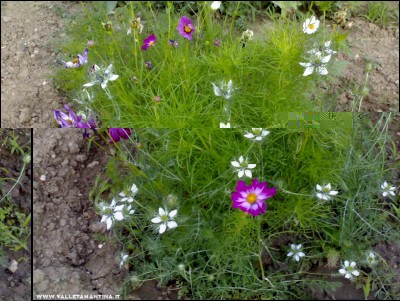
156, 220
172, 224
235, 164
173, 213
162, 228
308, 71
241, 173
161, 212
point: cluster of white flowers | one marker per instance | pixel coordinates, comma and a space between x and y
116, 211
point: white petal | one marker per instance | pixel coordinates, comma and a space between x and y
320, 196
347, 276
129, 30
109, 223
290, 254
103, 218
346, 264
156, 220
326, 59
235, 164
230, 85
355, 273
352, 264
248, 173
113, 77
297, 257
217, 91
328, 186
308, 71
293, 247
384, 185
122, 194
249, 135
342, 271
251, 165
333, 192
301, 254
385, 193
134, 189
241, 159
240, 173
119, 216
109, 69
162, 228
89, 84
173, 213
161, 211
392, 193
306, 64
265, 133
327, 44
172, 224
298, 247
322, 70
319, 187
119, 208
104, 84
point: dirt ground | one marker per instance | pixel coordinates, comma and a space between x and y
16, 286
30, 27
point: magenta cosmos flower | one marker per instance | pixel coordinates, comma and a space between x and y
118, 133
251, 198
149, 41
185, 27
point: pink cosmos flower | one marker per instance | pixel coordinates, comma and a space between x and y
185, 27
251, 198
118, 133
149, 41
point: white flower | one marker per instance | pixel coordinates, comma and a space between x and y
129, 197
216, 5
123, 258
295, 252
111, 213
325, 192
243, 168
166, 220
102, 77
247, 35
348, 270
310, 25
387, 189
371, 258
224, 126
256, 134
317, 62
225, 90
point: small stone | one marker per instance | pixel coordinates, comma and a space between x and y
43, 177
93, 164
13, 267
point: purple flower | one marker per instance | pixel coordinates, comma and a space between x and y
185, 27
149, 65
251, 198
90, 43
149, 41
217, 42
72, 120
118, 133
174, 43
79, 61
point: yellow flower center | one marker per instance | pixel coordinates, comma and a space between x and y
311, 26
187, 29
75, 61
251, 198
151, 43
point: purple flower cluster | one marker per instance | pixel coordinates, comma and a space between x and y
79, 61
72, 120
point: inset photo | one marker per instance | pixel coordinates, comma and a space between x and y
15, 214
